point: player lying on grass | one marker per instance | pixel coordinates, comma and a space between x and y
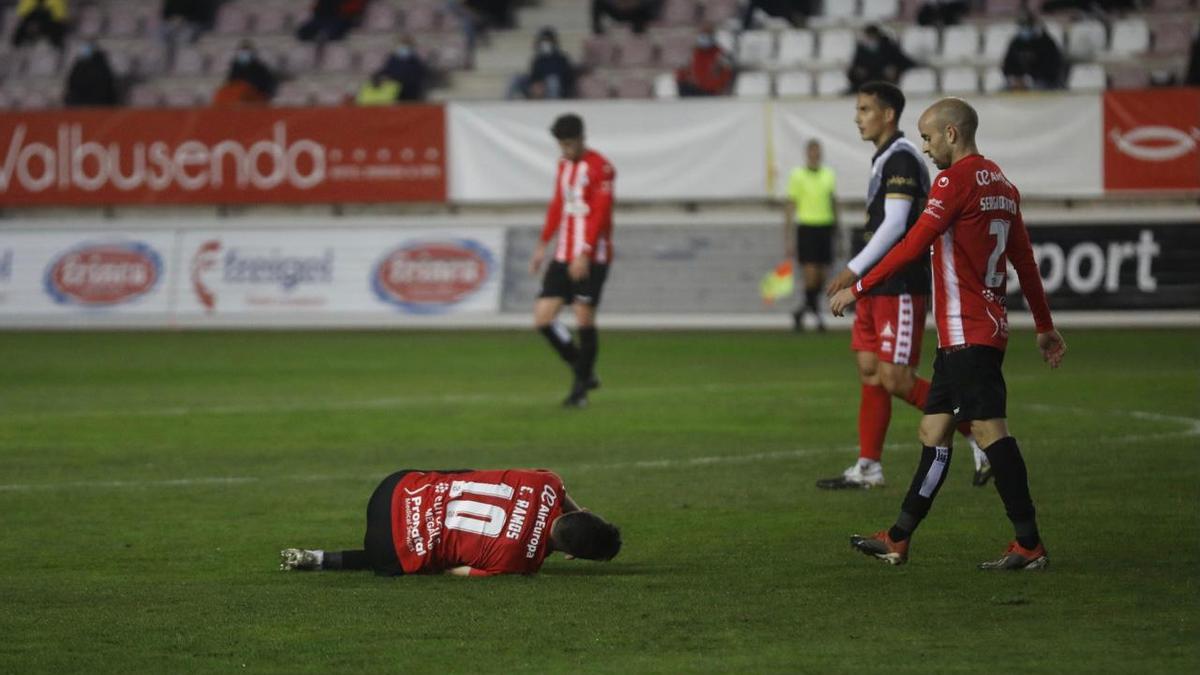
476, 523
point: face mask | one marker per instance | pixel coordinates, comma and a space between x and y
86, 51
403, 52
545, 47
870, 45
704, 41
243, 56
1026, 32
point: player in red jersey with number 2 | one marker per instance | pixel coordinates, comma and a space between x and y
972, 221
469, 523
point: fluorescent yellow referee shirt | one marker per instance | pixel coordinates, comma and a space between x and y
812, 191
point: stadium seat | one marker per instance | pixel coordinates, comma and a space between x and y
756, 48
879, 10
372, 57
34, 99
300, 58
185, 97
232, 19
996, 38
274, 20
633, 51
794, 83
752, 84
832, 83
678, 13
1086, 77
919, 81
960, 80
337, 57
294, 93
422, 17
451, 52
128, 21
919, 42
835, 47
719, 11
149, 58
795, 48
837, 12
145, 96
1002, 7
381, 17
598, 51
727, 40
960, 43
1128, 77
593, 86
909, 9
334, 96
1171, 37
675, 49
993, 80
665, 86
88, 24
42, 61
1085, 39
190, 61
1130, 36
633, 86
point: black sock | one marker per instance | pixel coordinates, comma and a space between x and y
931, 473
345, 560
558, 337
810, 301
588, 347
1012, 482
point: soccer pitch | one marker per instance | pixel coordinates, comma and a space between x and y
148, 481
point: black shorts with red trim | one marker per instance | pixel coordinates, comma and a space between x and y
968, 384
557, 283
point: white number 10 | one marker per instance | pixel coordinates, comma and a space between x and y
999, 230
468, 515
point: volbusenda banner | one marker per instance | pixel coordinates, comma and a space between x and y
247, 277
221, 155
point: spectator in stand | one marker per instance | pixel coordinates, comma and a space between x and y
550, 76
249, 81
1033, 60
185, 20
475, 17
636, 13
405, 67
942, 12
38, 19
710, 72
795, 12
331, 19
91, 81
877, 58
1192, 78
379, 90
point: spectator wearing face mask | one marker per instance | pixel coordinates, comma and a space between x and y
91, 81
710, 72
249, 79
877, 58
1033, 60
550, 76
405, 67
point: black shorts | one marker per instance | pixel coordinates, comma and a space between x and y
378, 542
814, 244
558, 284
967, 383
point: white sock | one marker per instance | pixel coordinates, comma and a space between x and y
320, 557
980, 455
866, 464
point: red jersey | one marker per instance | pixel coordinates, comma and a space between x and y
496, 522
580, 212
973, 222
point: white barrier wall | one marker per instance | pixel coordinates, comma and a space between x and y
1050, 146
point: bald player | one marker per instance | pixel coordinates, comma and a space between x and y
972, 221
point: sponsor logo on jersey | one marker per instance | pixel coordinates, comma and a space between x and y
431, 276
1156, 143
101, 275
901, 181
984, 177
934, 207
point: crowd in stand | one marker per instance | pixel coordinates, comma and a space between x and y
1034, 60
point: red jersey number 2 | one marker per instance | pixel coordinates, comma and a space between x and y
995, 271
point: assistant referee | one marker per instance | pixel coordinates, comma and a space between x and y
812, 209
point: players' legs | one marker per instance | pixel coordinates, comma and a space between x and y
1012, 478
814, 281
589, 344
545, 311
874, 407
935, 433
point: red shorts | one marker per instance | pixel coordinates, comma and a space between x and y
891, 326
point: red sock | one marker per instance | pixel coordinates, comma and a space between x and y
874, 414
918, 394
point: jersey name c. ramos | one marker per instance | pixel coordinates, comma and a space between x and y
580, 212
496, 522
973, 223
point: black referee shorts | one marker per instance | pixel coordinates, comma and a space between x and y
557, 283
968, 384
814, 244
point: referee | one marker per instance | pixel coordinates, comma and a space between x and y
813, 211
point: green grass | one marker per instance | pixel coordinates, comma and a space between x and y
147, 482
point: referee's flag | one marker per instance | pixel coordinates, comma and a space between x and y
778, 283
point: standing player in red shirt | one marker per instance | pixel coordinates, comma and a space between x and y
580, 215
469, 523
973, 223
